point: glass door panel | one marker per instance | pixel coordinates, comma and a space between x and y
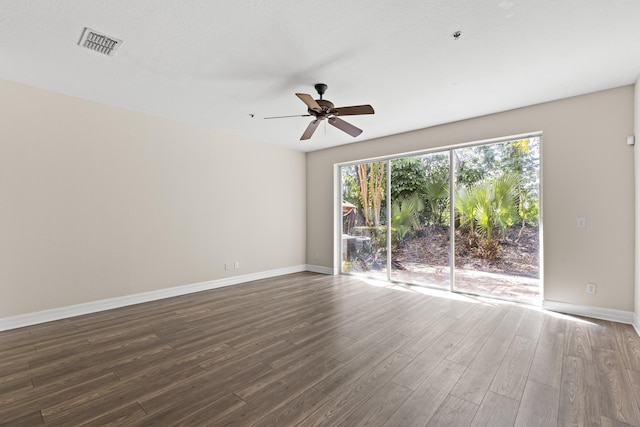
364, 219
420, 231
496, 200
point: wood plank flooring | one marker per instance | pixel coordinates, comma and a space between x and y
315, 350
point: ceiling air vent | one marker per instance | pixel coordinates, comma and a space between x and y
99, 42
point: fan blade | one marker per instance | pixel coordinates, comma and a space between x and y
353, 110
310, 129
311, 103
345, 127
284, 117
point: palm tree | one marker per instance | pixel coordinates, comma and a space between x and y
404, 215
437, 191
466, 206
506, 190
488, 205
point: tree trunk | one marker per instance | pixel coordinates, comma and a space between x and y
364, 193
377, 180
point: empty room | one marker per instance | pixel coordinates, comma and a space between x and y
341, 213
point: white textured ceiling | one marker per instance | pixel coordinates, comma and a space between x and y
215, 63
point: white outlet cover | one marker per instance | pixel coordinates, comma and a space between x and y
581, 222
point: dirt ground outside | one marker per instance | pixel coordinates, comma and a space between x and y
515, 274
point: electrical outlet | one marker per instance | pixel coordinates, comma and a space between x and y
226, 265
236, 264
581, 222
591, 288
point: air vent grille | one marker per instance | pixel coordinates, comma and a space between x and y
98, 42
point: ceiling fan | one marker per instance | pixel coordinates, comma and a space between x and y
322, 109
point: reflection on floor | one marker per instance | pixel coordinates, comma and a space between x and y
505, 286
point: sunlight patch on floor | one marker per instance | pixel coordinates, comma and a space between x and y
421, 290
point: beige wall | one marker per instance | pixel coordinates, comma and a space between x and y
100, 202
587, 172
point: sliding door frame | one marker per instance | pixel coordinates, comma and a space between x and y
450, 149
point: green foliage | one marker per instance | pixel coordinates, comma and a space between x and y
437, 191
505, 193
350, 190
466, 207
471, 163
493, 161
408, 177
517, 156
529, 209
404, 216
485, 219
496, 188
487, 207
427, 177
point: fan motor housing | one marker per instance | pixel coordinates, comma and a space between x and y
327, 106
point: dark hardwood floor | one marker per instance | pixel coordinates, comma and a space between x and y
309, 349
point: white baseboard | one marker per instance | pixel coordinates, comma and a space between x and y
108, 304
619, 316
320, 269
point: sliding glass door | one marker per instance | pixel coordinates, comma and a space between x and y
464, 219
364, 219
420, 228
497, 210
